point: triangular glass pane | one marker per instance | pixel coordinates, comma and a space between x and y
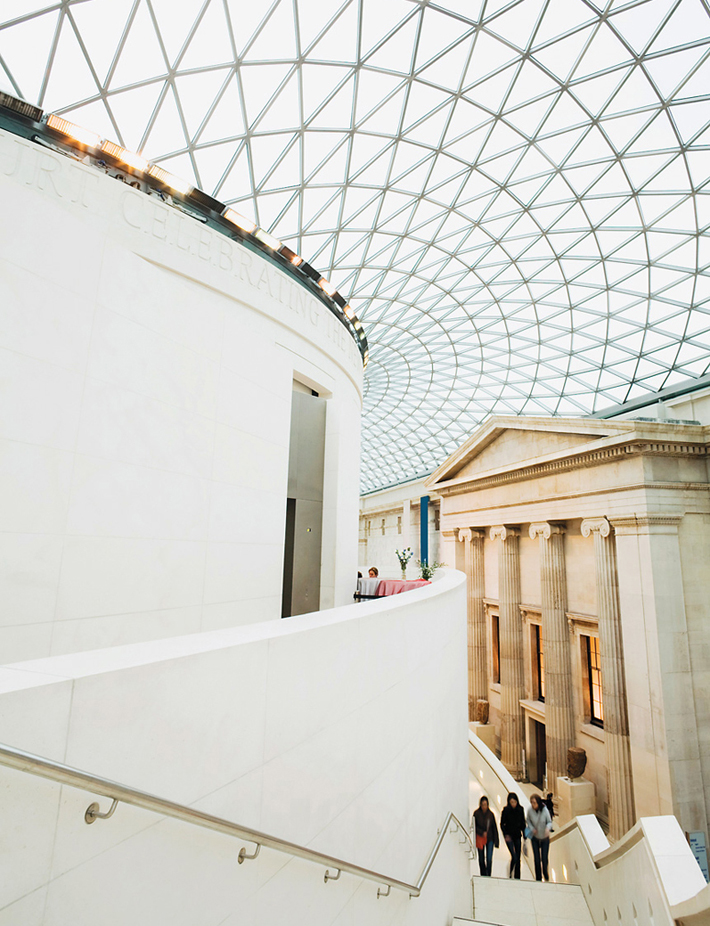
259, 84
245, 19
167, 134
489, 54
211, 43
141, 57
438, 32
132, 110
101, 27
175, 21
227, 119
516, 24
28, 69
70, 78
276, 40
341, 35
196, 93
689, 22
238, 184
337, 113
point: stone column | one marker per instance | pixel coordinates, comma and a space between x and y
616, 716
475, 580
665, 681
512, 674
559, 697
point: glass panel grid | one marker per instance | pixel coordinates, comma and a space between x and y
515, 195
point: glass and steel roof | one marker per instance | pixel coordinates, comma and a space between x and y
513, 194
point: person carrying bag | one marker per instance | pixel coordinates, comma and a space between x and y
485, 829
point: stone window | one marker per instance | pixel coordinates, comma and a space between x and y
592, 671
538, 662
383, 527
399, 524
495, 647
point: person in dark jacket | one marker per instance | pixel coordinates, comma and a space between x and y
550, 804
485, 830
512, 825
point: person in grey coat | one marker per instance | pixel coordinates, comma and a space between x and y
539, 829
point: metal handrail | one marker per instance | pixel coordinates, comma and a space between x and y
118, 793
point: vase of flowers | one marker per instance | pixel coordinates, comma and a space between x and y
427, 569
404, 556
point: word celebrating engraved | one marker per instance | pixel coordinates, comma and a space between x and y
67, 180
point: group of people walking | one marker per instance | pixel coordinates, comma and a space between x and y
516, 827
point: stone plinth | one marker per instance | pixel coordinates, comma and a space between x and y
575, 796
486, 732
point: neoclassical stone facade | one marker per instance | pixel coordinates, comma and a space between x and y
587, 549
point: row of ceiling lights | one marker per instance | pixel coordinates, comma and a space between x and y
92, 143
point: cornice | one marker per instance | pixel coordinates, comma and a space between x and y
632, 524
580, 459
534, 611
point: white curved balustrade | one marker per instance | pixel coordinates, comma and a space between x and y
343, 731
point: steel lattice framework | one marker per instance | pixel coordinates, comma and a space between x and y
514, 193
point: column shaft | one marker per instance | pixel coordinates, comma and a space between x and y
559, 697
616, 718
475, 582
512, 673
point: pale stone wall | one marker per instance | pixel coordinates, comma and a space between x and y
147, 367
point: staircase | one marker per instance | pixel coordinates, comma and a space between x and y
502, 902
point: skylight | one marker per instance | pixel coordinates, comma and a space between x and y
513, 195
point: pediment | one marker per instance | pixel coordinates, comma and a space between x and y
515, 446
504, 443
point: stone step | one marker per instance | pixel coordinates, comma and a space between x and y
529, 903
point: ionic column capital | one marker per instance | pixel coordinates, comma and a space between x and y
503, 531
592, 525
545, 530
468, 534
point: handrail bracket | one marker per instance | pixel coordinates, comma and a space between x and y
243, 854
93, 811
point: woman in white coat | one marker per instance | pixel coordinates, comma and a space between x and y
539, 829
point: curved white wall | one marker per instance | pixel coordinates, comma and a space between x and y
146, 367
343, 730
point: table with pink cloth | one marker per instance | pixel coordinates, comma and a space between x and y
396, 586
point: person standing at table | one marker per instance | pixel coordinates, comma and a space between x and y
483, 823
539, 828
512, 825
374, 572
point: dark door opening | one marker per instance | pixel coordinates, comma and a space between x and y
304, 506
540, 754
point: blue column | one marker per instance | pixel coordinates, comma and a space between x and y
424, 528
